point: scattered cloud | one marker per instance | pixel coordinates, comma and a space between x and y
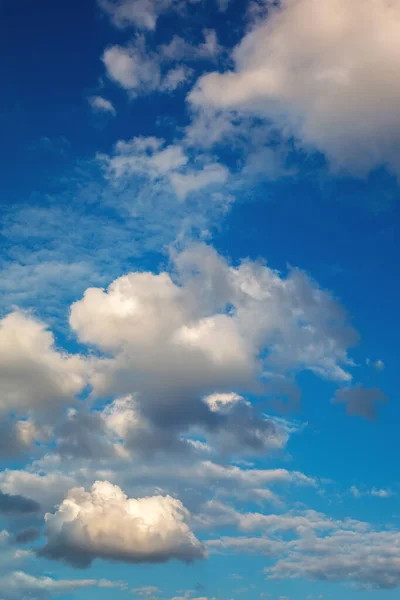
375, 492
100, 104
19, 585
359, 401
142, 14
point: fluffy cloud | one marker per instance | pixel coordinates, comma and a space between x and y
141, 70
323, 71
46, 489
369, 558
174, 338
105, 523
359, 401
374, 492
34, 375
131, 68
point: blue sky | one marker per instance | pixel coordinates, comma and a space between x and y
199, 297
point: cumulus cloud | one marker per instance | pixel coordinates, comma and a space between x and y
175, 337
325, 72
359, 401
46, 489
100, 104
105, 523
34, 375
179, 49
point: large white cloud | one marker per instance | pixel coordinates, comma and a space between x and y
326, 72
207, 327
105, 523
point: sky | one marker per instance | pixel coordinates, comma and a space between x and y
199, 227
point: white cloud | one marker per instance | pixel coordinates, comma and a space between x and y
212, 174
139, 13
175, 338
34, 375
379, 365
323, 71
100, 104
105, 523
48, 489
150, 158
374, 492
146, 591
313, 546
175, 77
131, 69
141, 70
146, 156
179, 49
19, 585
